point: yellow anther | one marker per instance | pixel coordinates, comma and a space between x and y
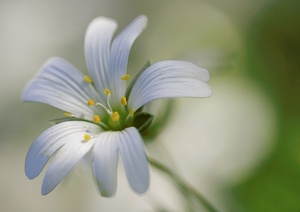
68, 114
88, 79
87, 137
90, 102
115, 116
131, 112
124, 101
107, 91
96, 119
125, 77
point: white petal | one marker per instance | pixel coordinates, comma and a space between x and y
49, 142
131, 148
169, 79
97, 50
119, 56
61, 85
105, 153
73, 149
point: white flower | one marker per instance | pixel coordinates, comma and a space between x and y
101, 109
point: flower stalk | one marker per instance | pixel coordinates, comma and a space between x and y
182, 185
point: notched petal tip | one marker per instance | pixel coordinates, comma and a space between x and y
205, 75
209, 91
143, 18
102, 22
107, 194
45, 191
142, 188
30, 174
99, 26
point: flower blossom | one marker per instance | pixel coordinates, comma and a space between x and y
103, 111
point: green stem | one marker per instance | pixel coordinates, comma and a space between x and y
183, 186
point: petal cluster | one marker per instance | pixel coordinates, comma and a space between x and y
130, 146
100, 108
66, 145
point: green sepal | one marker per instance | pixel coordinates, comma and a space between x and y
142, 121
60, 120
129, 88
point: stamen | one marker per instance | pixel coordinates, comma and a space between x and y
68, 114
130, 115
107, 110
88, 79
97, 119
90, 102
131, 112
115, 116
107, 92
87, 137
124, 101
125, 77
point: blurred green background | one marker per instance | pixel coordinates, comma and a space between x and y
240, 148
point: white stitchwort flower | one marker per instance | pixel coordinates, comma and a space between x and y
103, 111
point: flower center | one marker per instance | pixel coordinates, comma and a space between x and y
114, 119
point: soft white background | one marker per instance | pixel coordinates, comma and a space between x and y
212, 143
